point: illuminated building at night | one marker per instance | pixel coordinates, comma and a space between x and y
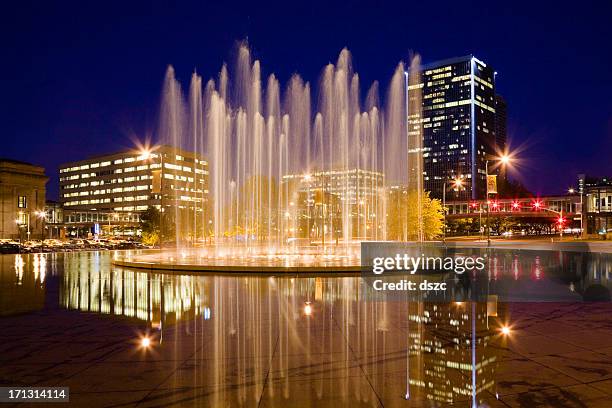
458, 124
450, 351
598, 203
320, 196
112, 190
22, 200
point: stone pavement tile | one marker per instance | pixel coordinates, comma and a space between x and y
133, 376
604, 386
584, 366
539, 345
588, 339
392, 389
330, 392
299, 345
303, 367
552, 327
218, 373
516, 376
485, 399
39, 374
577, 396
601, 321
17, 351
504, 354
390, 363
382, 343
607, 351
132, 350
222, 396
68, 352
106, 399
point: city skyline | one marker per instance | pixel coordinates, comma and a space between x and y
109, 96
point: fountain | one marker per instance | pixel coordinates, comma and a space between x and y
294, 180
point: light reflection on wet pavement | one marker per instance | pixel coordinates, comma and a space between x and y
74, 320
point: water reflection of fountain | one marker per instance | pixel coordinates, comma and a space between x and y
253, 135
253, 330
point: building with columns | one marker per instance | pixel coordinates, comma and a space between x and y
22, 200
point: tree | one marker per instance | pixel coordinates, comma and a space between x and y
503, 224
462, 226
151, 229
403, 216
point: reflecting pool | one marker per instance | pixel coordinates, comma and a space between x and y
123, 337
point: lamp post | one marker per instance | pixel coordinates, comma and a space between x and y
572, 191
41, 216
504, 160
28, 224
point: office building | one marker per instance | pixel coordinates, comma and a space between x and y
351, 200
458, 124
22, 200
501, 124
54, 220
110, 191
597, 194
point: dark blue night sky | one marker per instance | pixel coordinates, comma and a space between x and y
84, 78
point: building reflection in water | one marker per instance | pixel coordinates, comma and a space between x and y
250, 330
311, 338
154, 298
22, 283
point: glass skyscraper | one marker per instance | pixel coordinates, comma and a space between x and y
458, 124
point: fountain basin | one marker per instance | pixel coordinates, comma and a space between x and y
230, 260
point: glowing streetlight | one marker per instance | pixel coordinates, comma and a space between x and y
505, 159
457, 183
505, 330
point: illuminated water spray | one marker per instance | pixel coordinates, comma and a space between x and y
288, 169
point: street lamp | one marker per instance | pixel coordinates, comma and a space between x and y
41, 216
504, 160
456, 184
572, 191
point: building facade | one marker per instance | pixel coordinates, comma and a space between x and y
22, 200
54, 220
501, 124
597, 194
112, 190
458, 124
338, 202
